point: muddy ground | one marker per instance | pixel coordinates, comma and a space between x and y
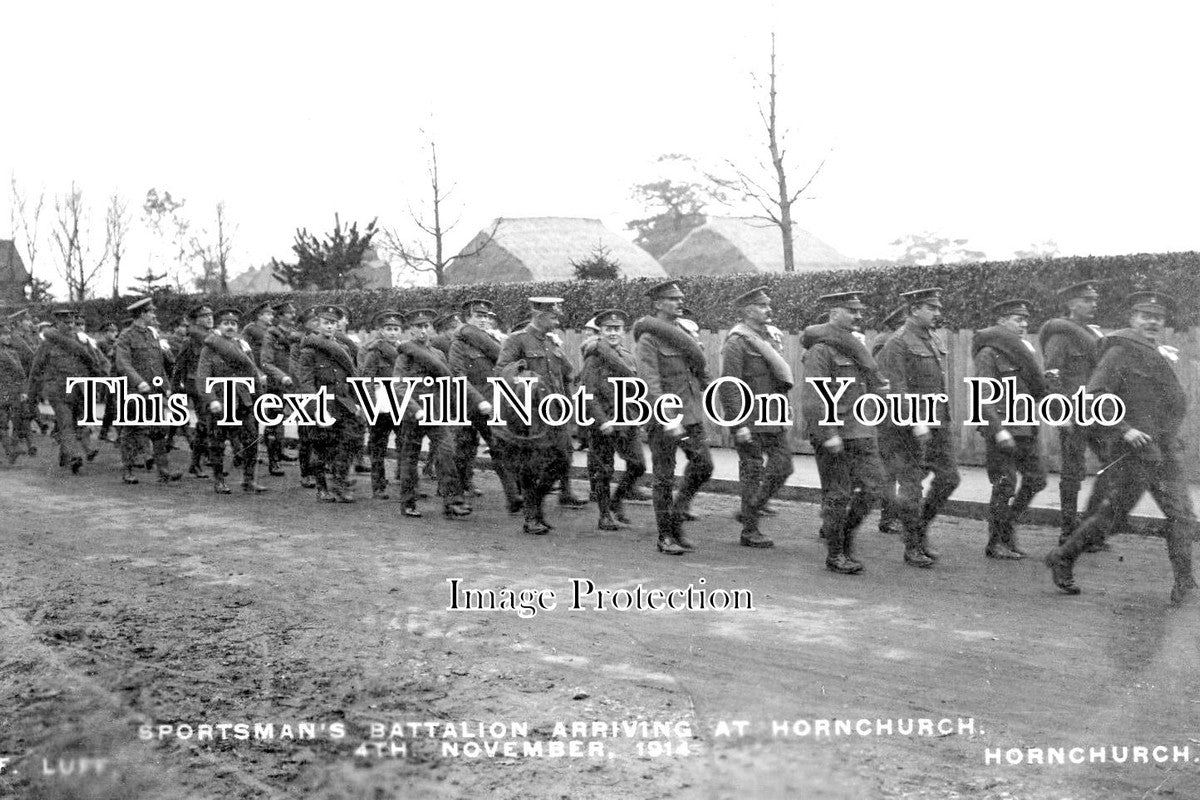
126, 608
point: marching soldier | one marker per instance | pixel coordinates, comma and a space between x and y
64, 353
227, 355
543, 458
25, 343
309, 325
200, 326
1136, 366
606, 357
255, 333
913, 361
753, 356
889, 517
274, 359
419, 359
1002, 352
1070, 350
324, 362
670, 360
379, 361
143, 357
474, 350
106, 340
847, 455
12, 392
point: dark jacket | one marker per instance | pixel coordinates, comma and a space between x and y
322, 361
1133, 369
1070, 348
601, 362
914, 362
1001, 354
671, 362
60, 356
142, 357
741, 359
227, 358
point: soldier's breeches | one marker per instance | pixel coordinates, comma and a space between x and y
377, 442
10, 415
243, 441
1016, 475
602, 457
441, 453
760, 482
74, 442
912, 463
699, 470
849, 486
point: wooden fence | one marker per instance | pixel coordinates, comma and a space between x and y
968, 441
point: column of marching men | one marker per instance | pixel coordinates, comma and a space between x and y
860, 465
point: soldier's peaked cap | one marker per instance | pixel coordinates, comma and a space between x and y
1081, 289
388, 318
664, 290
331, 313
284, 307
261, 307
65, 313
199, 311
141, 306
109, 324
229, 313
843, 300
545, 303
1011, 307
752, 297
611, 316
931, 295
1151, 301
420, 316
479, 306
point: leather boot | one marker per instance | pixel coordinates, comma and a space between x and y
996, 546
322, 485
219, 485
250, 487
680, 539
456, 509
930, 553
755, 538
668, 546
129, 477
1010, 541
274, 469
1061, 566
914, 555
618, 506
607, 523
342, 491
848, 547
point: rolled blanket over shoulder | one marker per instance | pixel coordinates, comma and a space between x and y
676, 337
779, 367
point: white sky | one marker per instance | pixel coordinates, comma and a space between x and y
1004, 123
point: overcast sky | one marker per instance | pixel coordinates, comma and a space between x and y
1003, 123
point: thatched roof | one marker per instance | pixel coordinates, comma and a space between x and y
13, 275
542, 249
375, 272
728, 245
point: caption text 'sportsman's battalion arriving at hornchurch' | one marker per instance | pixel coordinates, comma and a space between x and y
858, 463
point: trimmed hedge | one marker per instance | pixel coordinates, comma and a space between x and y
970, 290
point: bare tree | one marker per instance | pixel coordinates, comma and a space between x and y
25, 219
72, 236
163, 215
774, 200
213, 252
116, 228
428, 254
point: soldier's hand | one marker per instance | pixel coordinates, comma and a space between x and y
675, 430
287, 381
1005, 440
24, 397
143, 387
608, 428
485, 408
834, 444
921, 432
1136, 438
742, 435
214, 407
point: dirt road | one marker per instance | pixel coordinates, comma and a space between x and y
129, 608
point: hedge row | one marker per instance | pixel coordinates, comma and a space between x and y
970, 290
